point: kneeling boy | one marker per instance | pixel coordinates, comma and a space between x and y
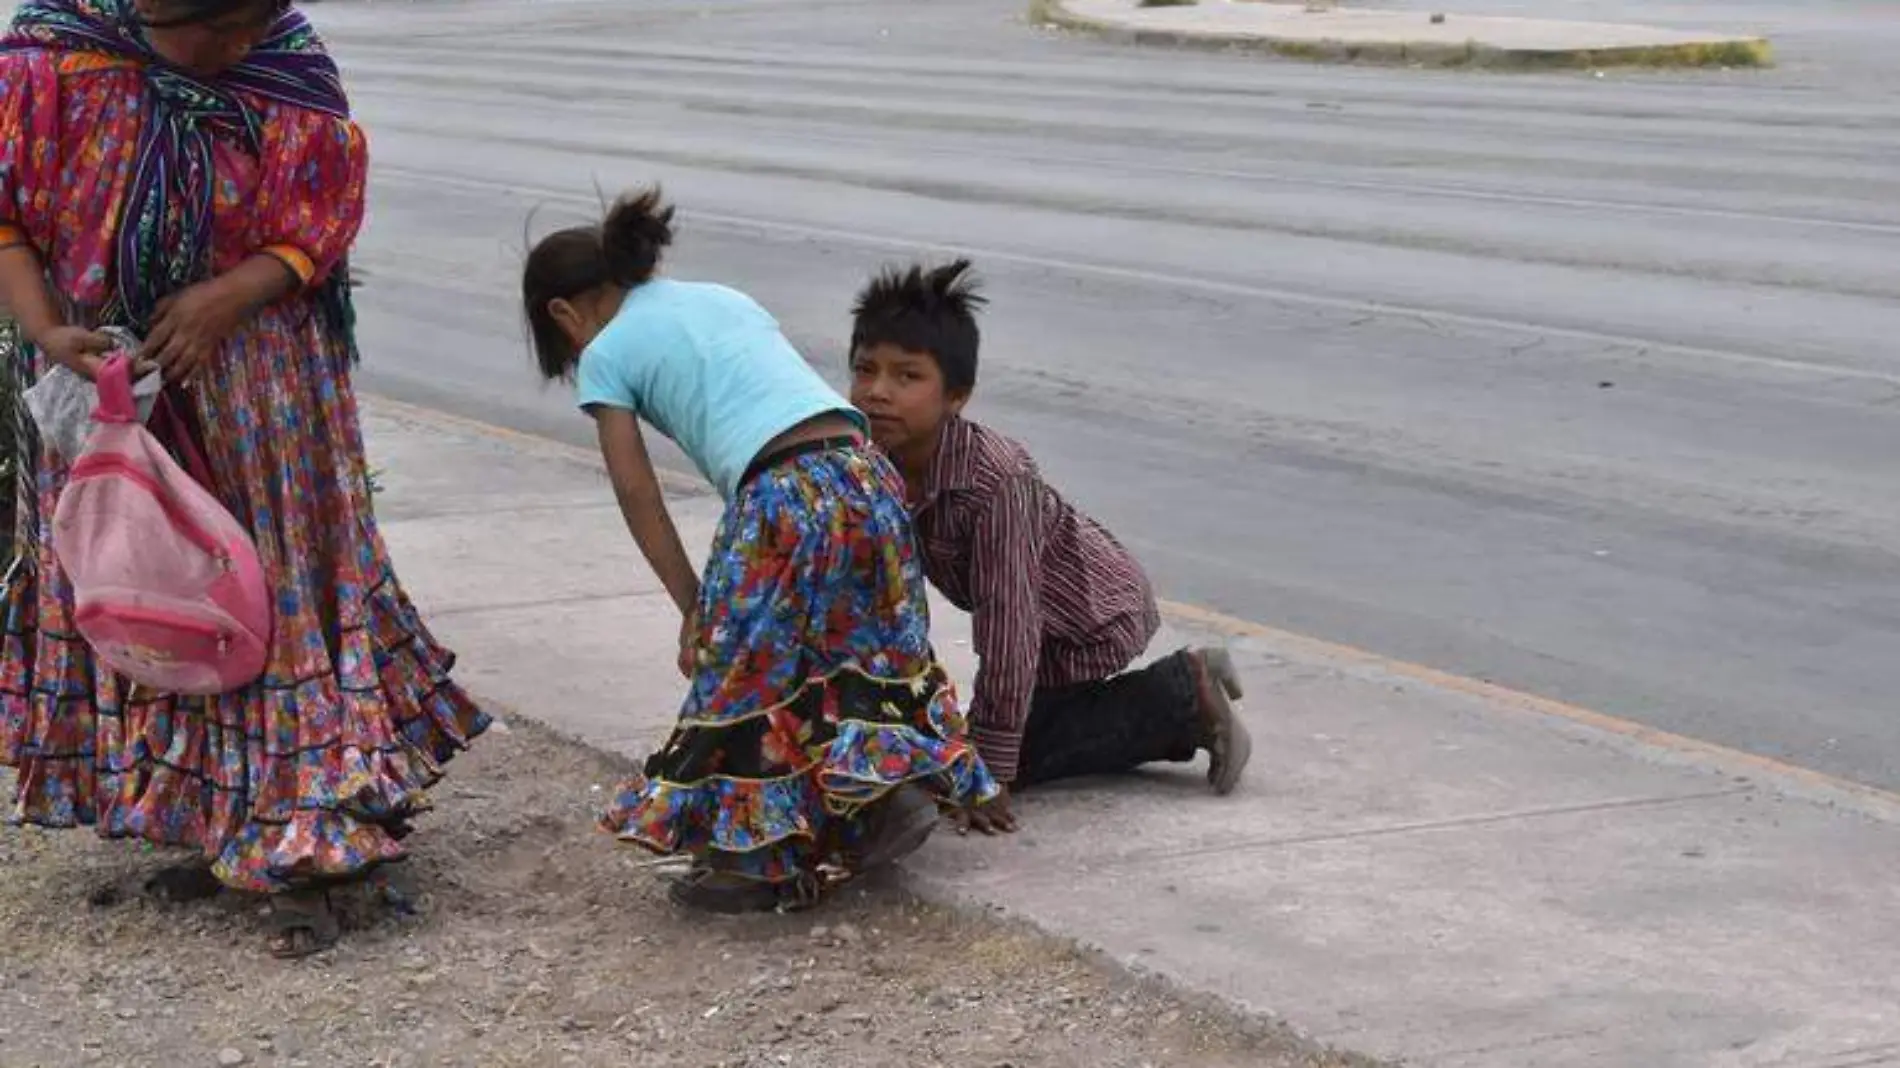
1060, 608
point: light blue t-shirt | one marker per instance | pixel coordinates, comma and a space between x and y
710, 369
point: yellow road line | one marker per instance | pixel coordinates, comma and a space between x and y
1870, 800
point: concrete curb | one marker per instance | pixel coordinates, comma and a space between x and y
1753, 53
1425, 875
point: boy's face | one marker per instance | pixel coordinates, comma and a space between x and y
903, 394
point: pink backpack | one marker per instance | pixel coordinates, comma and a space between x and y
167, 586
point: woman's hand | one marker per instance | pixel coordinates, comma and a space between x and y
190, 327
77, 349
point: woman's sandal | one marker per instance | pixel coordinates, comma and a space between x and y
302, 924
181, 883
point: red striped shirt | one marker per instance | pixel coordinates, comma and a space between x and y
1055, 599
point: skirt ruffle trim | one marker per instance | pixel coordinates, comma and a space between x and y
233, 781
773, 829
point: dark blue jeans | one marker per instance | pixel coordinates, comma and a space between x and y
1114, 726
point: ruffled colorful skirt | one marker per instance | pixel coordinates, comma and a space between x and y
310, 774
816, 691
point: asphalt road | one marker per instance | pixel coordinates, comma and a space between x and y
1584, 385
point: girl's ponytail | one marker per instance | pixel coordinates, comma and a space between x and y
622, 250
638, 228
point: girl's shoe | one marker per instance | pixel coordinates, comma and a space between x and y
707, 889
899, 825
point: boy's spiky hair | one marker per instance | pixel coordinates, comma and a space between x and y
924, 309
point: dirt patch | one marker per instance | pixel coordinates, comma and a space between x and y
531, 939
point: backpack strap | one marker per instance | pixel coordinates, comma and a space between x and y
116, 404
176, 432
168, 424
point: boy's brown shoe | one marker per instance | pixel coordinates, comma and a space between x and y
1229, 746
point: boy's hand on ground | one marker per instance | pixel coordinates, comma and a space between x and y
992, 817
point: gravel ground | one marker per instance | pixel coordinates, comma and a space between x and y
531, 939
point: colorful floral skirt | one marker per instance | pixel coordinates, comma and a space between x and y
313, 772
816, 691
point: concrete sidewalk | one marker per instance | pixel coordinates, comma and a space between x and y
1413, 871
1406, 37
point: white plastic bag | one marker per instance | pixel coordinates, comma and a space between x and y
62, 401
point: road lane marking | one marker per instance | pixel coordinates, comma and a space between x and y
1168, 279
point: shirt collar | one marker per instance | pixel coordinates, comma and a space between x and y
954, 466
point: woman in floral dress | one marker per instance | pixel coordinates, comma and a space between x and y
188, 169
